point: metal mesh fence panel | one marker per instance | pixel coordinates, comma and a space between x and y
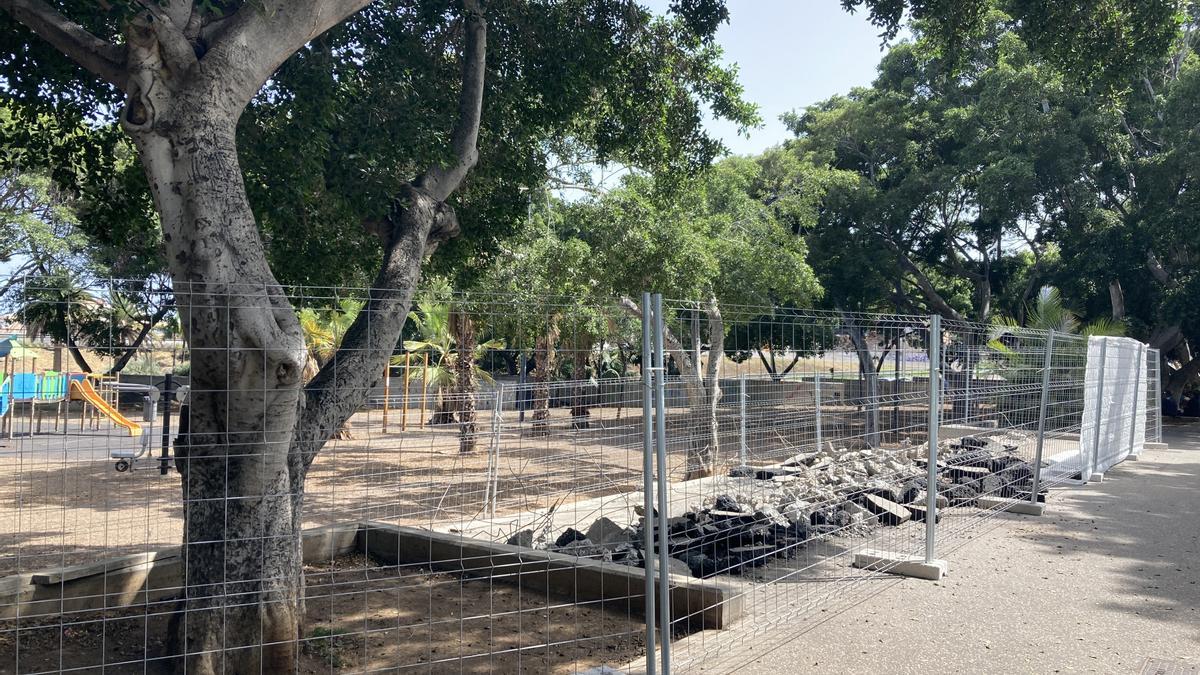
799, 445
472, 510
448, 482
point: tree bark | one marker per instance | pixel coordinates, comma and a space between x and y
464, 378
866, 367
579, 362
542, 372
1116, 296
703, 391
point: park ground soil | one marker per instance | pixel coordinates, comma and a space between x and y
1107, 578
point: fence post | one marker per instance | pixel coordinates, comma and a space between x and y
387, 393
1099, 408
742, 450
664, 584
648, 520
1137, 391
1157, 400
497, 425
935, 417
1041, 433
817, 405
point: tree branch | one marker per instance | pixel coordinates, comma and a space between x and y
252, 43
102, 58
931, 295
1159, 272
441, 182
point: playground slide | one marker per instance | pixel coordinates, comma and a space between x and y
89, 394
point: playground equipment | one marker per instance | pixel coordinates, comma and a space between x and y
88, 394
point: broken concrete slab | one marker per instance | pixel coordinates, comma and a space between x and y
888, 511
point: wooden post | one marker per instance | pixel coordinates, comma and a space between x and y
424, 384
387, 392
404, 396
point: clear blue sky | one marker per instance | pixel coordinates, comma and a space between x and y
791, 53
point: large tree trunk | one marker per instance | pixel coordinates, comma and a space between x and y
464, 379
542, 373
703, 391
188, 72
253, 432
241, 548
866, 368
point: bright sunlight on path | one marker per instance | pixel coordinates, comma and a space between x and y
1109, 577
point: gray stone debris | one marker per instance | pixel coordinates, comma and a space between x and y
605, 532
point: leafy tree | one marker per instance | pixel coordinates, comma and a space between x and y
390, 105
713, 241
447, 333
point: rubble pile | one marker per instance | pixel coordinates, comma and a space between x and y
772, 511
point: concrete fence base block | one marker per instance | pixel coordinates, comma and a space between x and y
1096, 478
1012, 506
902, 565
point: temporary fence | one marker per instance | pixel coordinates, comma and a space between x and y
513, 483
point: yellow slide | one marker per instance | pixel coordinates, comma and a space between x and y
89, 394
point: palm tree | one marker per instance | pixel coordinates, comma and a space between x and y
60, 307
1051, 313
1018, 352
546, 363
323, 332
449, 338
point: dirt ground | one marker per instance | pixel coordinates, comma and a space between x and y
366, 617
62, 502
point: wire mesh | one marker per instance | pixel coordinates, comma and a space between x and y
442, 525
457, 482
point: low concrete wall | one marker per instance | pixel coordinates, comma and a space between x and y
133, 579
696, 603
157, 576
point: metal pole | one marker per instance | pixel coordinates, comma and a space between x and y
648, 520
1041, 434
404, 392
935, 415
1158, 396
970, 368
424, 387
497, 424
164, 461
742, 450
1099, 407
664, 586
1137, 391
817, 405
387, 392
523, 391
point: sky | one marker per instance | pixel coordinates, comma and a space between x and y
791, 53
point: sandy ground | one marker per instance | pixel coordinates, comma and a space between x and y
362, 617
1108, 578
62, 502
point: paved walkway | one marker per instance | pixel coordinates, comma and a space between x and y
1108, 577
